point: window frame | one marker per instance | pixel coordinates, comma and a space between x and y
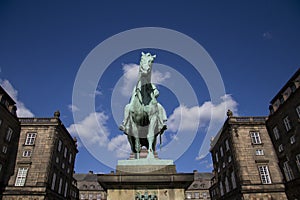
53, 181
60, 185
4, 149
292, 139
259, 152
221, 151
276, 133
298, 161
21, 176
65, 152
233, 180
264, 174
287, 123
227, 145
30, 138
9, 134
280, 148
288, 172
26, 153
255, 137
298, 111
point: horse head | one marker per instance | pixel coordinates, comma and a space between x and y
146, 64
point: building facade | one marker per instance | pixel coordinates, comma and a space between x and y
45, 162
9, 138
199, 189
284, 129
89, 188
244, 161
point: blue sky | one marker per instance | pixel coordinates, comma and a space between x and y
255, 46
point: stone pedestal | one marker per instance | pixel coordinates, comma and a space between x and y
141, 177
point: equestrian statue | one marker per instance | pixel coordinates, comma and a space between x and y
144, 117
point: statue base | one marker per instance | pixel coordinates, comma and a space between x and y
146, 165
146, 179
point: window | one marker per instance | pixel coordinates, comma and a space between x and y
224, 165
287, 123
221, 189
217, 157
21, 177
293, 87
298, 161
53, 181
255, 138
229, 159
70, 158
281, 99
9, 134
259, 152
0, 167
60, 185
276, 133
98, 196
26, 153
226, 185
288, 171
196, 195
66, 189
92, 187
63, 165
188, 195
227, 145
233, 180
4, 149
65, 152
0, 122
297, 110
221, 151
292, 139
57, 160
30, 138
264, 174
280, 148
204, 194
59, 145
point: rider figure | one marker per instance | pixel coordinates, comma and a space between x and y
162, 116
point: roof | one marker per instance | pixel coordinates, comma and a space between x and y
291, 80
87, 182
2, 91
240, 120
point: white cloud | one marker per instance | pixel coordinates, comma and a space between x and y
92, 129
22, 111
131, 72
187, 118
267, 35
120, 145
158, 77
73, 108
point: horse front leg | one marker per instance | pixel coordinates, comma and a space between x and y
137, 144
150, 136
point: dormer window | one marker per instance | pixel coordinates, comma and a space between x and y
281, 99
293, 87
271, 109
